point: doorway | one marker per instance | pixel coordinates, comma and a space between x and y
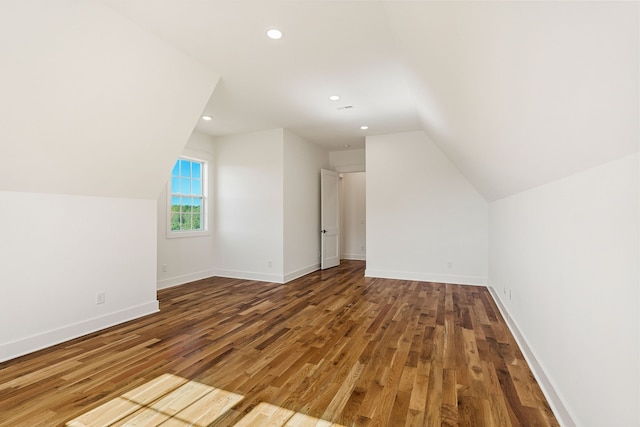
353, 220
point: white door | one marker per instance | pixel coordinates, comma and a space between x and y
329, 219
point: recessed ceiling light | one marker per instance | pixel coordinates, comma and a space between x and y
364, 127
334, 97
207, 118
274, 33
346, 146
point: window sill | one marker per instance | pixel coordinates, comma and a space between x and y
181, 234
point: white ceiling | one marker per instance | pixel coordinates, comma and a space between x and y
516, 94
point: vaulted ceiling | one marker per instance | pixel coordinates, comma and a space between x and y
90, 103
516, 94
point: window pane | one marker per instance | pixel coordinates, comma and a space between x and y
187, 196
196, 170
175, 221
175, 204
196, 187
185, 168
185, 221
185, 186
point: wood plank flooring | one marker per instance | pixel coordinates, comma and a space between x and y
329, 349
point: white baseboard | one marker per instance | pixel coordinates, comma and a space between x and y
184, 278
236, 274
355, 257
249, 275
427, 277
301, 272
56, 336
555, 401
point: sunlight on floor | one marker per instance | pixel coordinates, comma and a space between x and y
267, 415
167, 400
170, 400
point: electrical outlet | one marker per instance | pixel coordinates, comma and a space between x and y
449, 264
270, 264
100, 297
164, 268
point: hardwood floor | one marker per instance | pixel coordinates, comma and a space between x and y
331, 348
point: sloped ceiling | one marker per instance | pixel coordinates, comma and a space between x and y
91, 104
516, 94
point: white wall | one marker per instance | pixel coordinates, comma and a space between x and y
94, 112
353, 230
424, 219
58, 252
264, 211
186, 259
347, 160
564, 263
249, 208
302, 163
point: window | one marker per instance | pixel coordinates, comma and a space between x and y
188, 198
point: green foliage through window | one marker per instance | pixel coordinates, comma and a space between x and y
187, 196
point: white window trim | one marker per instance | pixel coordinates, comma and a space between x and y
205, 159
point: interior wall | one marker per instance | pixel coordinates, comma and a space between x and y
347, 160
185, 259
94, 112
353, 238
425, 221
58, 252
564, 264
302, 163
249, 207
